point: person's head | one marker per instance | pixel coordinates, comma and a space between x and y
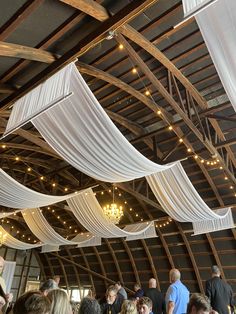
215, 271
32, 302
2, 262
47, 286
152, 283
198, 304
89, 306
144, 305
111, 294
128, 307
118, 285
60, 302
174, 275
137, 287
56, 278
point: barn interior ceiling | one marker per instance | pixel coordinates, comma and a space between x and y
152, 73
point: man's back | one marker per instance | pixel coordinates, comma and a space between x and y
220, 294
158, 300
179, 295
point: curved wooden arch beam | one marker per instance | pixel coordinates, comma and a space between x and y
42, 272
24, 52
75, 270
64, 273
88, 69
216, 256
88, 267
49, 264
199, 280
128, 251
163, 241
114, 259
149, 256
100, 263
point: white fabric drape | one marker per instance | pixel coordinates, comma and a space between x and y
192, 7
81, 132
8, 274
45, 233
200, 227
50, 92
15, 195
147, 234
180, 200
88, 211
17, 244
47, 248
218, 26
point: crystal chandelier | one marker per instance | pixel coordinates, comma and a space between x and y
113, 212
2, 238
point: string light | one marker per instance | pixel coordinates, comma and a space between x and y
134, 70
170, 128
121, 46
147, 93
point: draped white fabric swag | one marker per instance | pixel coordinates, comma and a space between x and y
90, 214
81, 132
15, 195
192, 7
17, 244
47, 248
53, 90
8, 274
218, 26
45, 233
180, 200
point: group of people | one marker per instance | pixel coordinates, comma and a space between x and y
218, 298
50, 299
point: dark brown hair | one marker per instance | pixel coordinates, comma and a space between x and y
32, 302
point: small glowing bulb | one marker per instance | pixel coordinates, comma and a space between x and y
41, 178
181, 140
170, 127
58, 217
102, 193
231, 187
121, 46
76, 230
134, 70
29, 169
221, 167
202, 161
159, 112
226, 178
147, 92
196, 156
48, 207
54, 184
65, 189
17, 158
4, 146
189, 150
53, 210
136, 215
131, 209
208, 162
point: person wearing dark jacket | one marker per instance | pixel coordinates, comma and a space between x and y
158, 300
113, 302
219, 292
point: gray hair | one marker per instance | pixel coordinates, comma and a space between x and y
215, 270
48, 285
89, 306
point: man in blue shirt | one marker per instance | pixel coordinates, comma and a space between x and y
177, 295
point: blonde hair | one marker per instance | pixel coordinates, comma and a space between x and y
128, 307
60, 302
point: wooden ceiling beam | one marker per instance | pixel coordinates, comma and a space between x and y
24, 52
89, 7
113, 23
